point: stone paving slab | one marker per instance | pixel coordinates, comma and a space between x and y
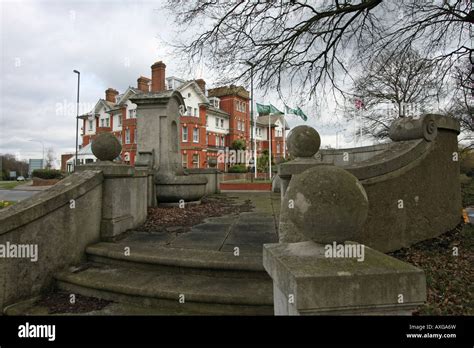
247, 230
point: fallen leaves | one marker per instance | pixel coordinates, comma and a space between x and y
449, 278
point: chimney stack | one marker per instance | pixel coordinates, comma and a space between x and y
202, 84
111, 94
143, 84
158, 77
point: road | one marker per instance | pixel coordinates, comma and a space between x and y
15, 195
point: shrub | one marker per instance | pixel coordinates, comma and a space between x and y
238, 168
238, 144
47, 174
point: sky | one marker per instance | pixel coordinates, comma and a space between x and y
111, 43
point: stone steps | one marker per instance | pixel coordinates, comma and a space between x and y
179, 260
203, 294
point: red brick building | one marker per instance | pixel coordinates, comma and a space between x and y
213, 120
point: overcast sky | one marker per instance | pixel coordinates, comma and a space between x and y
110, 42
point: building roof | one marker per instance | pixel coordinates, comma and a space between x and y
195, 86
213, 109
84, 151
228, 90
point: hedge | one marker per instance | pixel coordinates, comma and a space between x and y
47, 174
239, 168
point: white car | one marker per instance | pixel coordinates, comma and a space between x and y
20, 178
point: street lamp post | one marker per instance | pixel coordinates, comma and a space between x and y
77, 116
253, 148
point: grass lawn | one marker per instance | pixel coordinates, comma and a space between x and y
4, 204
8, 185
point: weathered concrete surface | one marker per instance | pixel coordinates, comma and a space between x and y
199, 294
325, 204
418, 175
213, 279
211, 174
303, 141
306, 282
60, 232
106, 147
431, 196
158, 134
124, 201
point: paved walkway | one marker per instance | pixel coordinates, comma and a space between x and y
247, 230
15, 195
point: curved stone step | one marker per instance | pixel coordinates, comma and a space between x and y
202, 294
192, 261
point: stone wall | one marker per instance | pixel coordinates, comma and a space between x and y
61, 221
213, 178
412, 185
98, 202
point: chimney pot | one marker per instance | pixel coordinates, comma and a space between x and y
158, 70
143, 84
202, 84
111, 94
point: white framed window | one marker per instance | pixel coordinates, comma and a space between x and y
189, 111
127, 136
195, 112
222, 141
107, 122
222, 123
91, 125
185, 134
217, 122
102, 122
196, 160
184, 160
196, 135
119, 117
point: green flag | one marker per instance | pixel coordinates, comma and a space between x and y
268, 109
297, 112
263, 109
275, 111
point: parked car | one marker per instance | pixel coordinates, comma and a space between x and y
20, 178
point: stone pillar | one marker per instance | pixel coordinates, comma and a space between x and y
306, 282
315, 268
158, 124
124, 190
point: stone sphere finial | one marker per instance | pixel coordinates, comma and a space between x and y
303, 141
329, 204
106, 147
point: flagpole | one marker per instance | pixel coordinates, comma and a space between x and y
284, 133
270, 146
255, 146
